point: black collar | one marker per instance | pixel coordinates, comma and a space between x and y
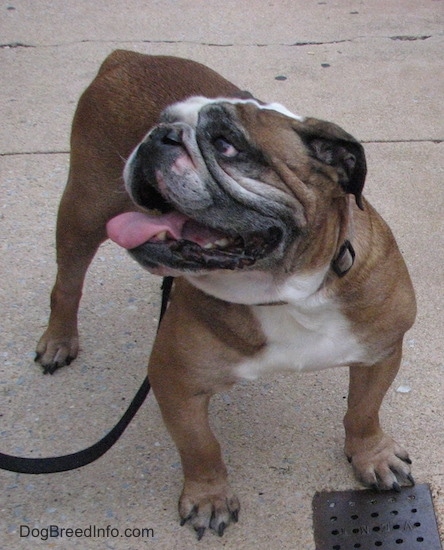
341, 265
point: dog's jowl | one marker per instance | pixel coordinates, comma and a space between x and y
279, 260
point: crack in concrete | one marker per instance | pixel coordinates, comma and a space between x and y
12, 45
402, 38
426, 140
19, 153
254, 44
410, 38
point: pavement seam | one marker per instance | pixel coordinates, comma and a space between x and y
426, 140
18, 153
402, 38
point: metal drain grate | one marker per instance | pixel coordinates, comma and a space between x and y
345, 520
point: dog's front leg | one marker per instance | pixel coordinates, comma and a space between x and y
377, 460
207, 500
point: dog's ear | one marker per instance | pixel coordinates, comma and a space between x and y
332, 145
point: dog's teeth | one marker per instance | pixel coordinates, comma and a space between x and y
208, 246
222, 242
162, 236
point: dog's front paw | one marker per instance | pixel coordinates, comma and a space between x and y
55, 351
208, 505
380, 465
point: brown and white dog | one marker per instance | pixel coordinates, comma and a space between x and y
280, 263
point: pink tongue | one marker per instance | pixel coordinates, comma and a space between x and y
132, 229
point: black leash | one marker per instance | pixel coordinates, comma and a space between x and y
76, 460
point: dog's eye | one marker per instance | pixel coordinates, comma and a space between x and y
224, 147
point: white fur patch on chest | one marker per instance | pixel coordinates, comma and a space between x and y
309, 335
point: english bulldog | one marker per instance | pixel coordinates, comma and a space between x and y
280, 263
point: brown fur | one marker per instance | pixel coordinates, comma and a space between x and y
201, 338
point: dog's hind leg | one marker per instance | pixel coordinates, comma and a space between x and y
76, 247
88, 202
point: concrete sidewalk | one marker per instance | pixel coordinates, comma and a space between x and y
374, 67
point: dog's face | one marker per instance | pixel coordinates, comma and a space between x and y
233, 185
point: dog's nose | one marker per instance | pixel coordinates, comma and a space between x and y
160, 137
172, 136
169, 136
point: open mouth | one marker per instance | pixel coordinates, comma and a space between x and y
188, 244
226, 252
168, 237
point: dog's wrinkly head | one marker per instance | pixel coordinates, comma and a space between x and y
231, 184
